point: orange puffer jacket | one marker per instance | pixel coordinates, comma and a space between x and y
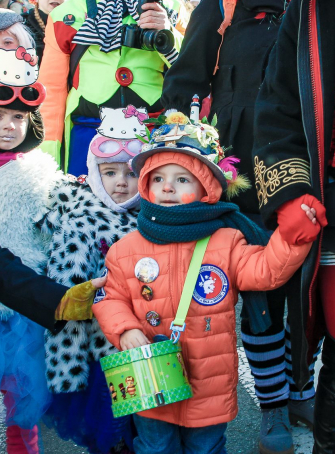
210, 355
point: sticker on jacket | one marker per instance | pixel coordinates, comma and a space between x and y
100, 294
211, 287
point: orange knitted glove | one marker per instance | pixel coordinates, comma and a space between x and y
294, 225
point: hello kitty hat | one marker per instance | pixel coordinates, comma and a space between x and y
20, 91
18, 75
116, 141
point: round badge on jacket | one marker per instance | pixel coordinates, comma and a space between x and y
211, 287
69, 19
153, 318
147, 270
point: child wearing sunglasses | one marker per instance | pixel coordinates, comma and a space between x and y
26, 176
86, 218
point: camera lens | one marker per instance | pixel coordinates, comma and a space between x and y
160, 40
147, 39
164, 41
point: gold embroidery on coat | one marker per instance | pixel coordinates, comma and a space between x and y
282, 174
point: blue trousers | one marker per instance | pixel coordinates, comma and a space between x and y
159, 437
83, 131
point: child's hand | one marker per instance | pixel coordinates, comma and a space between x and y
300, 220
99, 282
133, 338
77, 302
310, 212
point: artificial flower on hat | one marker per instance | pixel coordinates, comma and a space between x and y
177, 132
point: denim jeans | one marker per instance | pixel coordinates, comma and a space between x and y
159, 437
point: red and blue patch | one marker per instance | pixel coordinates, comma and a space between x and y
211, 287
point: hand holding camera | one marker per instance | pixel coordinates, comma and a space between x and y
153, 32
154, 16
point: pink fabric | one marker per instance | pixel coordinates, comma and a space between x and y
18, 440
331, 161
206, 107
22, 441
326, 278
8, 156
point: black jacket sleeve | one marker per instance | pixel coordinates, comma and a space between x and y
280, 152
28, 293
193, 71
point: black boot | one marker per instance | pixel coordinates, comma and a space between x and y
324, 416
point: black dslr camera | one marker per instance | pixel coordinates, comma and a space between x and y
134, 36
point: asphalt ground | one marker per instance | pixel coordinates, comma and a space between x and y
242, 433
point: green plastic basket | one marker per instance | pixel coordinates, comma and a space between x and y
146, 377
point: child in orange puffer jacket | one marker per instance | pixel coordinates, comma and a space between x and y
181, 187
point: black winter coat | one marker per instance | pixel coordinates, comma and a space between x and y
28, 293
293, 127
243, 59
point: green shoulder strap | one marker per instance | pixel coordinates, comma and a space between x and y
178, 325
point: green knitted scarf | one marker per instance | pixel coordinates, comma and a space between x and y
193, 221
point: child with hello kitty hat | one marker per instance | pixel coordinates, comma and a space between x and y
26, 176
87, 217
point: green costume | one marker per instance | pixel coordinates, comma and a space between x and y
96, 80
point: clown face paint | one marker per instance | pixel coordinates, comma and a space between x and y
188, 198
152, 197
172, 185
13, 128
119, 181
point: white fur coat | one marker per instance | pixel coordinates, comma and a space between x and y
80, 226
24, 189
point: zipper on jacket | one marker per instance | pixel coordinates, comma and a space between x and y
318, 113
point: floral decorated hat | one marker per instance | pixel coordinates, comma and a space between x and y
178, 133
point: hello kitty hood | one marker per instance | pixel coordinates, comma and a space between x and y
116, 141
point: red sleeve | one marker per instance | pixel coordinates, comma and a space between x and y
54, 75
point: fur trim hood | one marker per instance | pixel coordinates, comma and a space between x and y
199, 169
